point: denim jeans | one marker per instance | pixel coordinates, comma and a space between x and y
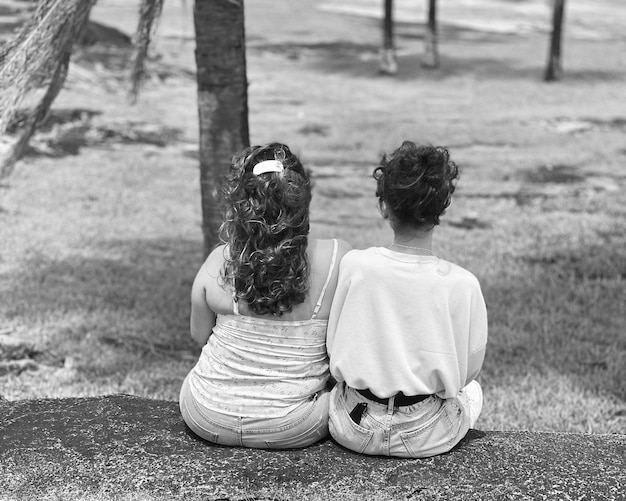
427, 428
301, 427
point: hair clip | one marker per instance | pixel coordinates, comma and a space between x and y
267, 166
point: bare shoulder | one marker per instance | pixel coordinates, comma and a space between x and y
217, 256
213, 265
219, 295
321, 250
321, 256
329, 244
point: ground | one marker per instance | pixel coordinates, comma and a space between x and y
133, 449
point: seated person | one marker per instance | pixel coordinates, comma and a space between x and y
407, 330
259, 307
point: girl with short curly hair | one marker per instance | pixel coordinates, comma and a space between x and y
407, 330
260, 306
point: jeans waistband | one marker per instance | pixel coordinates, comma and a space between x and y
400, 400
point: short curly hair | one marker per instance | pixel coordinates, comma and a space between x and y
416, 183
266, 227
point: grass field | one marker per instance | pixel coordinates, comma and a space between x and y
100, 225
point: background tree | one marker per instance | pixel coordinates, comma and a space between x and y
388, 57
221, 75
431, 42
222, 100
554, 70
222, 93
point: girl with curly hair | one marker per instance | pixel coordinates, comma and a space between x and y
260, 306
407, 330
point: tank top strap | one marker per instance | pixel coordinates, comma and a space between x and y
235, 306
318, 305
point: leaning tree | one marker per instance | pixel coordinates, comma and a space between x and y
34, 64
36, 61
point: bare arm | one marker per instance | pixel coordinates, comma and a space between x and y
202, 318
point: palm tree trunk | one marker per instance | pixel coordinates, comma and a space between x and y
554, 71
431, 48
388, 59
222, 101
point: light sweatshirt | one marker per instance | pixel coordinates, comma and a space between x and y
400, 322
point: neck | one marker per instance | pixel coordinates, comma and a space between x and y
418, 242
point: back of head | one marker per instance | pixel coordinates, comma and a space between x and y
267, 194
415, 184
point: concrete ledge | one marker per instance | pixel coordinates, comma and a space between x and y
120, 445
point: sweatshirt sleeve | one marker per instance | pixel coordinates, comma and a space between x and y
478, 335
337, 305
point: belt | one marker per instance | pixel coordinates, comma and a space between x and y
400, 400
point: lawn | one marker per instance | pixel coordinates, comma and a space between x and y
100, 224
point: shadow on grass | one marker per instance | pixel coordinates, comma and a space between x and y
132, 300
558, 309
410, 67
361, 60
564, 310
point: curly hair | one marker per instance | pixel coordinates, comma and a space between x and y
266, 227
416, 183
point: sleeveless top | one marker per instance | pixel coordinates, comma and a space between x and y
259, 368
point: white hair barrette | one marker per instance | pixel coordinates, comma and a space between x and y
267, 166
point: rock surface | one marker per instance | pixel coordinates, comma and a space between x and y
120, 446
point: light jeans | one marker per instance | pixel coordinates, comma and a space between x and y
304, 426
427, 428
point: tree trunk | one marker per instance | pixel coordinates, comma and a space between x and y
554, 71
388, 59
431, 48
222, 101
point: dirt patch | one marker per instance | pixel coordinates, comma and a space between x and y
321, 49
559, 174
567, 125
315, 129
56, 117
15, 355
66, 131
